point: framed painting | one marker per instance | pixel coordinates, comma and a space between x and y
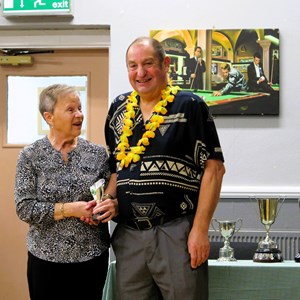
250, 55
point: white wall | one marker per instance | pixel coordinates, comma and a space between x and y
261, 153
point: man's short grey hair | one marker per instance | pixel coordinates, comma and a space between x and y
157, 46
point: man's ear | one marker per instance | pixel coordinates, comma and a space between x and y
167, 63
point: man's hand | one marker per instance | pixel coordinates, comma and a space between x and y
216, 93
198, 247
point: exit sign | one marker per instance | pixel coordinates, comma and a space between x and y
36, 7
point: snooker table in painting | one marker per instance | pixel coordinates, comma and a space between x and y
275, 86
241, 103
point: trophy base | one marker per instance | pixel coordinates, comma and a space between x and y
226, 254
297, 257
94, 217
226, 259
268, 255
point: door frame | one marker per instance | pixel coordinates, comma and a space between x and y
92, 37
13, 284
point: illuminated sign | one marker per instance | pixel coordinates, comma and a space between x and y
36, 7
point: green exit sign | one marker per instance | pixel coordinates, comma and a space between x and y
36, 7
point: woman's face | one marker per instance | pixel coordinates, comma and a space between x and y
67, 117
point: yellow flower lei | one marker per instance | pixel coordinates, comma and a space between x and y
129, 154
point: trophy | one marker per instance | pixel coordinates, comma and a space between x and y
227, 229
267, 250
297, 257
97, 191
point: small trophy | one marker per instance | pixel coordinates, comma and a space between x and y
297, 257
227, 229
267, 250
97, 191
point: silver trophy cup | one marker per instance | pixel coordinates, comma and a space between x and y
297, 257
226, 228
97, 191
268, 209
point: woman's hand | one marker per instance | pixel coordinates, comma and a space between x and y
105, 211
89, 206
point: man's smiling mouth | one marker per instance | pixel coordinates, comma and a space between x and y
144, 81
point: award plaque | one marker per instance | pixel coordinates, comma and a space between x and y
268, 209
226, 229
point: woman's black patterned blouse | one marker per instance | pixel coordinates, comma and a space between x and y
43, 179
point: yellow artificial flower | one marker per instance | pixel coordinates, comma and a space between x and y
143, 141
121, 155
122, 147
149, 134
128, 122
157, 118
152, 126
160, 109
130, 114
127, 131
138, 149
136, 158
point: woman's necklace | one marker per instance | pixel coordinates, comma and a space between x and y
127, 154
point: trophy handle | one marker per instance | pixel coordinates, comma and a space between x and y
281, 200
214, 221
239, 223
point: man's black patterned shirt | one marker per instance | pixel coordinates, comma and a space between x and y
167, 178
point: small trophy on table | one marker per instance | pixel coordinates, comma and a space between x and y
267, 250
97, 191
297, 257
227, 229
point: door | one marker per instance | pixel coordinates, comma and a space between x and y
92, 63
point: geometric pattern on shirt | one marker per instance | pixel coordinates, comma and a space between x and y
187, 205
168, 166
200, 154
189, 201
163, 129
183, 205
149, 210
116, 123
174, 118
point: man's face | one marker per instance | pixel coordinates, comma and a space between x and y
225, 73
198, 53
256, 60
146, 74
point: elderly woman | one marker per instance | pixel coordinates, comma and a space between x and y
67, 258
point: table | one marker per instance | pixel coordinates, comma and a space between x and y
240, 280
247, 280
240, 102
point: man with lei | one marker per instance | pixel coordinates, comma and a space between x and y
167, 167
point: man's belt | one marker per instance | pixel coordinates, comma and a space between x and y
146, 223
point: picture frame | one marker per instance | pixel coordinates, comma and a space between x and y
217, 51
236, 48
